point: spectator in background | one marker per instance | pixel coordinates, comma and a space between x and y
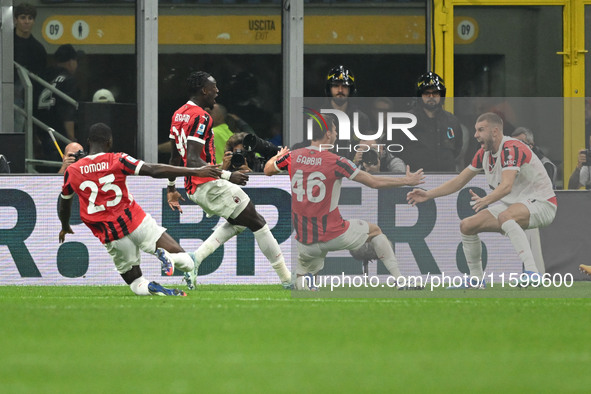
29, 53
70, 153
527, 136
53, 110
103, 96
581, 176
340, 85
378, 158
221, 131
439, 133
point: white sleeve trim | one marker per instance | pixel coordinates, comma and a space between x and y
354, 174
472, 168
277, 168
67, 197
193, 138
137, 169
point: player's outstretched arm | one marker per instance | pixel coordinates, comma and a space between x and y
504, 188
64, 212
168, 171
270, 167
381, 182
417, 196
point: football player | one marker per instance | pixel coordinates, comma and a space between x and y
316, 175
522, 190
192, 144
115, 218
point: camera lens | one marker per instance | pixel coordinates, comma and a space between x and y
267, 149
80, 154
370, 157
238, 159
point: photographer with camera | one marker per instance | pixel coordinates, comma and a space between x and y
581, 176
72, 153
246, 151
374, 157
235, 155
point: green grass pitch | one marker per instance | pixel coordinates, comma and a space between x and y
259, 339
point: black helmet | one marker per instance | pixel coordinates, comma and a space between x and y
340, 74
430, 80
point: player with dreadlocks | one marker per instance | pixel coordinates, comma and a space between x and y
192, 142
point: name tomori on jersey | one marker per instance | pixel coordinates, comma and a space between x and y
311, 161
94, 167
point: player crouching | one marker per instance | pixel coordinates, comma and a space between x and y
316, 176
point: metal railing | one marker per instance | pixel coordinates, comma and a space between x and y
25, 77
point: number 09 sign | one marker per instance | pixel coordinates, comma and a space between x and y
466, 29
54, 30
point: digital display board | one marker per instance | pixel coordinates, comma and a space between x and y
426, 238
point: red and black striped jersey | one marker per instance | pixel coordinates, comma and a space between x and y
191, 122
106, 205
316, 178
532, 181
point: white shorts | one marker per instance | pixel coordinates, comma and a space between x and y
125, 251
311, 257
220, 197
541, 212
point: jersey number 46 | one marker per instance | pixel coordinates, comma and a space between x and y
313, 186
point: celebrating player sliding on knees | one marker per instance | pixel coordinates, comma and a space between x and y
522, 193
316, 177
